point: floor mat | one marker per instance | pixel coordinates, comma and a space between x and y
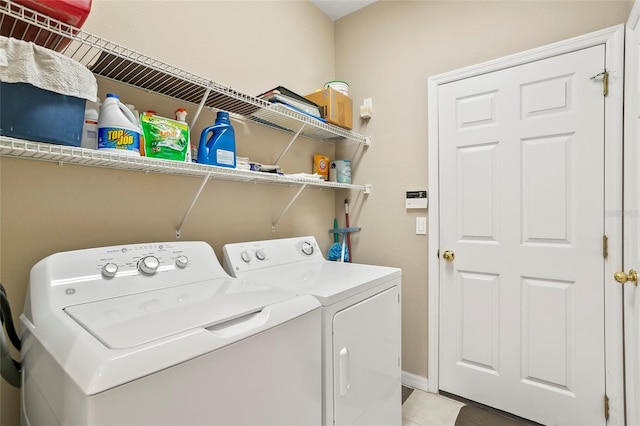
406, 392
474, 416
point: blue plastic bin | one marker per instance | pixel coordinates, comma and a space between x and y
28, 112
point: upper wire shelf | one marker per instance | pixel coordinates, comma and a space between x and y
115, 62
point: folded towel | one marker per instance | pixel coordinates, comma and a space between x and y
306, 176
26, 62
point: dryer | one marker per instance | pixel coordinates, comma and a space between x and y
361, 341
159, 334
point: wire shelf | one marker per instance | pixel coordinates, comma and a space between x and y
115, 62
18, 148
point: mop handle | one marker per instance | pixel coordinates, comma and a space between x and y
346, 220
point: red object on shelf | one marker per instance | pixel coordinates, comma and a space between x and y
346, 223
71, 12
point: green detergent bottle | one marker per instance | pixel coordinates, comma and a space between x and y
218, 143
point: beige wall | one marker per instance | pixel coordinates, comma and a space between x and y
250, 46
2, 381
387, 51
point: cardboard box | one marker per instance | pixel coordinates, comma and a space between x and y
336, 108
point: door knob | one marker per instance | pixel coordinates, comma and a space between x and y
622, 278
448, 255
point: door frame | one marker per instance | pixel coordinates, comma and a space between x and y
632, 133
613, 39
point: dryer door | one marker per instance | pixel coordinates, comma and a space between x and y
366, 359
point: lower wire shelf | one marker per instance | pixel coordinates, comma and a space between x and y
62, 154
19, 148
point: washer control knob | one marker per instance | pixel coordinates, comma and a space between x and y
260, 254
307, 248
149, 265
245, 256
109, 270
182, 261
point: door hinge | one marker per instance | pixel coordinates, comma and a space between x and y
604, 75
606, 407
605, 246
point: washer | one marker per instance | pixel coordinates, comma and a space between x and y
360, 323
159, 334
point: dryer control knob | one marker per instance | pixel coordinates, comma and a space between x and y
245, 256
109, 270
182, 261
149, 265
307, 248
261, 255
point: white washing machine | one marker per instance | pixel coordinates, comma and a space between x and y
360, 320
158, 334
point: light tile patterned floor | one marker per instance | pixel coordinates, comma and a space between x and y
429, 409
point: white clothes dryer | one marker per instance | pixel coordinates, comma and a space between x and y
158, 334
361, 342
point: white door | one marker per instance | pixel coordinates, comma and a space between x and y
522, 211
632, 213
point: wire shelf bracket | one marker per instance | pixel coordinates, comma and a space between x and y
193, 203
290, 143
295, 197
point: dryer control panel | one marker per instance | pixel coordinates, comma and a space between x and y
250, 256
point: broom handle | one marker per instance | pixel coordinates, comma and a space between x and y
346, 220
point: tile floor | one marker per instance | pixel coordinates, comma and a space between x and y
428, 409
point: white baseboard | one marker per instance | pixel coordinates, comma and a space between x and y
415, 382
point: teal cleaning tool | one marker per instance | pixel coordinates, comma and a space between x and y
342, 253
335, 249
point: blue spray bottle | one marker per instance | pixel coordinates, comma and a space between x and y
220, 148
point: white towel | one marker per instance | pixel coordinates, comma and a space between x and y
25, 62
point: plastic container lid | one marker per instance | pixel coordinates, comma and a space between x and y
336, 82
339, 85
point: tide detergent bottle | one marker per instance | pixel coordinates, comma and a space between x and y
118, 129
218, 143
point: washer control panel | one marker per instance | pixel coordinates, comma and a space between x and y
243, 257
93, 274
146, 259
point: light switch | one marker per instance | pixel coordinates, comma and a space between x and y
421, 225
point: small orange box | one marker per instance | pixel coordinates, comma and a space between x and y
336, 107
321, 166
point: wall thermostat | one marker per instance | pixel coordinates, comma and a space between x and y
417, 199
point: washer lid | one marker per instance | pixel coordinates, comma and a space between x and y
127, 321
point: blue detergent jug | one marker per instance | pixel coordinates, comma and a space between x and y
220, 148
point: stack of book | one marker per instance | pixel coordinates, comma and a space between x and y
286, 97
